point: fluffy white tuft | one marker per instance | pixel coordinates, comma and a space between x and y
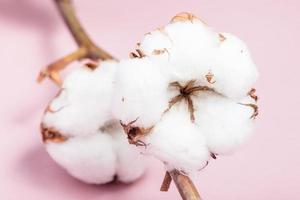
192, 50
131, 164
88, 158
154, 42
84, 101
140, 92
225, 123
178, 142
234, 71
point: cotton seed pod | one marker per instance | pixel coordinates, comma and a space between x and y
211, 101
80, 133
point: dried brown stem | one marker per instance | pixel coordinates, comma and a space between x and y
86, 47
166, 182
52, 70
185, 186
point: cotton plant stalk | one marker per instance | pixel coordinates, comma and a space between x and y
184, 97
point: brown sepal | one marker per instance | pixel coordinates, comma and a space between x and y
255, 109
222, 38
91, 64
252, 94
52, 135
209, 77
185, 93
135, 133
183, 17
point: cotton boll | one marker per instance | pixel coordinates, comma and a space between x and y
176, 141
234, 70
88, 158
140, 92
225, 123
84, 102
90, 148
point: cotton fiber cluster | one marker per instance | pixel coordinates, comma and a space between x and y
185, 97
81, 134
211, 103
140, 92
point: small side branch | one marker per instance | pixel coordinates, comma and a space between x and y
52, 70
166, 182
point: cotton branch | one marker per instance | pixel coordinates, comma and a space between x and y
86, 47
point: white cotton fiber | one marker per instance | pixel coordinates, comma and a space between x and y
234, 70
140, 92
225, 123
193, 49
155, 42
88, 158
131, 164
84, 100
191, 52
177, 142
100, 157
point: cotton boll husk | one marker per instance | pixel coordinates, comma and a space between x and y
234, 70
88, 158
84, 102
140, 92
225, 123
177, 142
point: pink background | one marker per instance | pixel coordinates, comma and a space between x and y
32, 35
